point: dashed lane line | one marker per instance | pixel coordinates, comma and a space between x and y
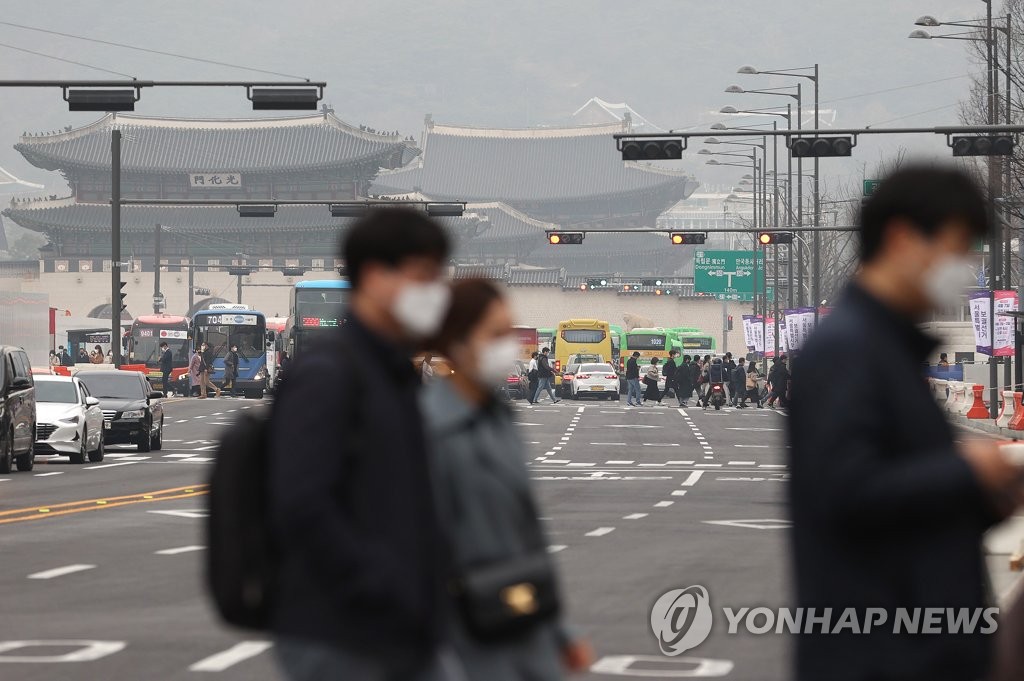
693, 478
46, 475
230, 657
600, 532
663, 504
180, 549
110, 465
61, 571
634, 516
555, 548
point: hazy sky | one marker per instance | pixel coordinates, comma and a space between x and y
513, 63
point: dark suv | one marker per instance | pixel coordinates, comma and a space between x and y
17, 410
132, 413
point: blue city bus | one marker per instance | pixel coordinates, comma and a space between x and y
224, 325
316, 307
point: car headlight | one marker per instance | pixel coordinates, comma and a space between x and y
133, 414
261, 374
71, 419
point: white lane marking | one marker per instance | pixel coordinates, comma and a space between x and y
742, 479
752, 446
178, 456
709, 457
5, 479
523, 423
580, 410
759, 524
661, 444
558, 448
629, 425
608, 444
131, 458
541, 458
110, 465
61, 571
583, 464
183, 514
546, 411
757, 430
179, 549
692, 478
709, 465
565, 439
679, 492
600, 532
634, 516
81, 650
205, 449
555, 548
182, 421
569, 430
742, 463
198, 459
200, 417
232, 656
46, 475
683, 412
679, 463
663, 504
651, 464
623, 463
558, 460
772, 465
618, 411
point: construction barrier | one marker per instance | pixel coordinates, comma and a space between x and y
940, 389
1017, 420
957, 397
1008, 410
977, 410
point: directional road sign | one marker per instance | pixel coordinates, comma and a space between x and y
728, 275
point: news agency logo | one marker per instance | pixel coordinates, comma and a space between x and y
681, 619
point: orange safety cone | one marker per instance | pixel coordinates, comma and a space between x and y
978, 410
1017, 422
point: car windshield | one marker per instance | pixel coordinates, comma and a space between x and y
595, 368
114, 386
61, 392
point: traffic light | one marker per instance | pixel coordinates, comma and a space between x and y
239, 271
820, 147
729, 324
685, 238
650, 282
985, 145
595, 283
293, 271
123, 305
652, 150
565, 238
766, 238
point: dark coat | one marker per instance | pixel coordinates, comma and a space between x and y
885, 513
166, 361
684, 378
669, 372
632, 368
544, 369
739, 379
230, 366
352, 507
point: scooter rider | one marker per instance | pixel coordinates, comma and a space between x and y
715, 376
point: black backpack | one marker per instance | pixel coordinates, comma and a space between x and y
241, 561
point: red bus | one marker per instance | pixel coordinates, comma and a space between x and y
147, 332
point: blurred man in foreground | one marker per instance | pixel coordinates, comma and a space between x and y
888, 510
362, 568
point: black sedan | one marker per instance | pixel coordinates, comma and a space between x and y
132, 413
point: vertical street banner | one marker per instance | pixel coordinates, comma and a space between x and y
757, 332
981, 308
769, 341
783, 340
799, 324
748, 335
1006, 301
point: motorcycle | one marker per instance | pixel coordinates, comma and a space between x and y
716, 396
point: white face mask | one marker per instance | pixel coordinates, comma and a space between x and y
495, 359
946, 279
420, 308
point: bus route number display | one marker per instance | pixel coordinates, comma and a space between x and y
319, 322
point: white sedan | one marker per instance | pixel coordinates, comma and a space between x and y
595, 380
68, 419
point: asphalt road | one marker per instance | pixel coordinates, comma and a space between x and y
636, 502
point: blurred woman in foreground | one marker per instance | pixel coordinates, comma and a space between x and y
505, 605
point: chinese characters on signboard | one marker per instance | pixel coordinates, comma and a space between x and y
214, 180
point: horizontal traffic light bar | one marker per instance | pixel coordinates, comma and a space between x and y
821, 147
556, 238
767, 238
982, 145
687, 238
622, 137
653, 150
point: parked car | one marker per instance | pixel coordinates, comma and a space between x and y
68, 419
132, 412
17, 410
517, 384
595, 380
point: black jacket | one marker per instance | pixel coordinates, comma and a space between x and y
544, 366
885, 513
352, 508
231, 365
632, 369
684, 377
669, 372
167, 361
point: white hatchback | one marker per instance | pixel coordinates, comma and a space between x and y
595, 380
68, 419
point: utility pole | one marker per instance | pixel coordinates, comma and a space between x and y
191, 283
115, 247
995, 242
156, 270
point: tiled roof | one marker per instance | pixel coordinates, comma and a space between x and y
209, 145
63, 214
540, 276
506, 223
496, 272
513, 166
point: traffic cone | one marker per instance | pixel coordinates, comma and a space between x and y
1017, 421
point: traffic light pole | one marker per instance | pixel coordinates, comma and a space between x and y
156, 269
115, 247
